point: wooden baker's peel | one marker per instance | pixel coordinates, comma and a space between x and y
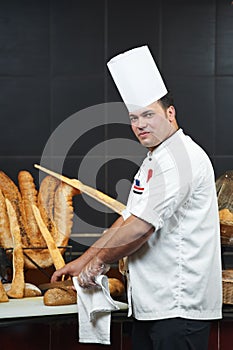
111, 203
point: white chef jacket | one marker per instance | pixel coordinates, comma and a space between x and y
177, 272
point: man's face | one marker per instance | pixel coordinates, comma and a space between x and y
152, 124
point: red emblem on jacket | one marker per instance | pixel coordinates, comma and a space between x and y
149, 175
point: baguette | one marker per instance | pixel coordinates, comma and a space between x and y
46, 196
17, 285
29, 196
11, 192
45, 204
5, 233
63, 212
36, 253
53, 250
3, 295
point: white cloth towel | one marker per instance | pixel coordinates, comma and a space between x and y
94, 312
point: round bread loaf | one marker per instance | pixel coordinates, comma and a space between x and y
116, 287
60, 296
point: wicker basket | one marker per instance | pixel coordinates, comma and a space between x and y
227, 286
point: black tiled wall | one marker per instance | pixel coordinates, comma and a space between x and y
53, 56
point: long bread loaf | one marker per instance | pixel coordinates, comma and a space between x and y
17, 286
11, 192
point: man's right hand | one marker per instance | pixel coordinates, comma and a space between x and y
73, 268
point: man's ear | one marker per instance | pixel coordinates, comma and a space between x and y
171, 113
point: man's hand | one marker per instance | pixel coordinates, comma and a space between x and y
93, 269
71, 269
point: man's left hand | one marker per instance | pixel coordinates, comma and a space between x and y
94, 268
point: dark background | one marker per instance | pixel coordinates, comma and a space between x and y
53, 56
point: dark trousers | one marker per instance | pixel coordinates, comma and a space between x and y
171, 334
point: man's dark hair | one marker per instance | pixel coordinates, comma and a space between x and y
166, 100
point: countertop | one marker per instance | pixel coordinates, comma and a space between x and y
18, 310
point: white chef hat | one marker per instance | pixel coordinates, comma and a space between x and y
137, 78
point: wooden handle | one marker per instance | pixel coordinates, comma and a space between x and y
110, 202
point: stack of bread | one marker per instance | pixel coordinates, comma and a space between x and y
64, 294
23, 212
36, 226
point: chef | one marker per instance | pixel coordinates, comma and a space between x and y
170, 228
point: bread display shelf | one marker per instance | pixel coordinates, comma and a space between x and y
30, 307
